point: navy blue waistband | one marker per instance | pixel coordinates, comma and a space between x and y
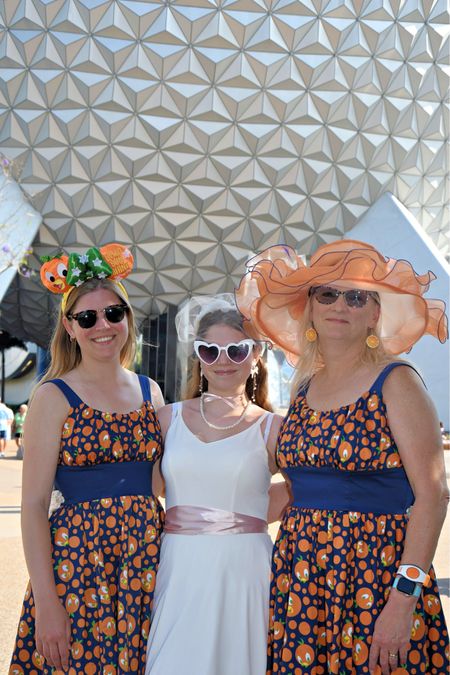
378, 492
117, 479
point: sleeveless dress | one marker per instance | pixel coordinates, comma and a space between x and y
105, 539
211, 602
341, 541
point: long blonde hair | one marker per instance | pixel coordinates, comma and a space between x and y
65, 353
310, 360
233, 319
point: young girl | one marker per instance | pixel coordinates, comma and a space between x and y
212, 593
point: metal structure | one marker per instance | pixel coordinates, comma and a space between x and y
199, 131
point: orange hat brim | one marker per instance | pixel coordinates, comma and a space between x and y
273, 294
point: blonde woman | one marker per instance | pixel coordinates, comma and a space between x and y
91, 430
351, 572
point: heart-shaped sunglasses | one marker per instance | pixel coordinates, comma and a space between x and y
237, 352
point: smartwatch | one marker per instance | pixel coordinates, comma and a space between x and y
407, 587
414, 573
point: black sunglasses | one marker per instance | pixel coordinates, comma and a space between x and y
355, 297
88, 317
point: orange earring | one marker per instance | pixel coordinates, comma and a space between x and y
372, 341
311, 334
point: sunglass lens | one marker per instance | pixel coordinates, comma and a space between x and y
208, 353
326, 296
238, 353
356, 298
87, 319
115, 313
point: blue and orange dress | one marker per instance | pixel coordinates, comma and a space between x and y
341, 541
105, 540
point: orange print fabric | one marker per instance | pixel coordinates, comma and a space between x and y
332, 570
105, 552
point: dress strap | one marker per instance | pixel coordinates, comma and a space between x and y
73, 399
144, 381
176, 410
378, 384
269, 418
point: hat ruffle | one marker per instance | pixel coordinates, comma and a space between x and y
273, 294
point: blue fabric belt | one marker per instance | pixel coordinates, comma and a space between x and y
378, 492
117, 479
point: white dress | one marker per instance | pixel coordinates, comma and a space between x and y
210, 612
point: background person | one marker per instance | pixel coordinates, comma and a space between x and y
92, 430
6, 419
445, 437
212, 591
362, 448
17, 428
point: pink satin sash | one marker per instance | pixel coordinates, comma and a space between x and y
203, 520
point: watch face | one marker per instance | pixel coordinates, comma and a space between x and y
406, 585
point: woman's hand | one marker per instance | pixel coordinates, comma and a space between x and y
279, 498
391, 638
53, 633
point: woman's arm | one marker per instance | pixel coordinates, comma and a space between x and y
414, 425
157, 397
272, 440
158, 485
279, 496
42, 437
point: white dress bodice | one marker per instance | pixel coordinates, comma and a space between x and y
230, 474
211, 602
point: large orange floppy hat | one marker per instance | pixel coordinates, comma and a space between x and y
273, 294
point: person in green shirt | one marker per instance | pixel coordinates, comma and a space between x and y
19, 419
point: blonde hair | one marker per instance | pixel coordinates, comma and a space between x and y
233, 319
310, 360
65, 353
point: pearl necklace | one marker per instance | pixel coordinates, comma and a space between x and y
216, 426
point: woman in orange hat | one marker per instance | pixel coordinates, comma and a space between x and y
353, 590
91, 431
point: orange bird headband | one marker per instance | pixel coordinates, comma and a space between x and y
61, 274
